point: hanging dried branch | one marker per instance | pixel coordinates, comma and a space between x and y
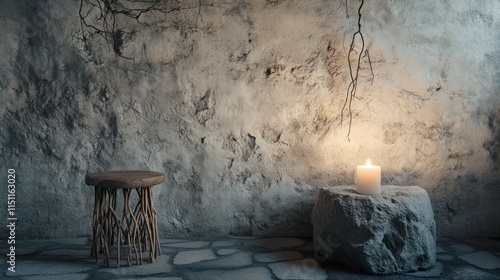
354, 72
367, 54
102, 16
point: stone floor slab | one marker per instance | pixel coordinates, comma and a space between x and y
467, 273
194, 256
435, 271
445, 257
482, 259
253, 273
70, 260
26, 251
62, 241
242, 237
278, 256
73, 241
172, 240
443, 239
440, 250
224, 243
307, 247
52, 267
225, 252
236, 260
77, 254
154, 278
161, 265
486, 243
276, 242
461, 249
308, 269
189, 245
57, 277
168, 251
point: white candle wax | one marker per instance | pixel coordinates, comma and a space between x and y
368, 178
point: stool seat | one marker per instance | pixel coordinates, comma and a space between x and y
129, 179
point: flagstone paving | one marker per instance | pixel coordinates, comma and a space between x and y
234, 258
194, 256
483, 259
225, 252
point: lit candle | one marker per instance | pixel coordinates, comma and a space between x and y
368, 178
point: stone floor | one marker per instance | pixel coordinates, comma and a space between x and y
237, 258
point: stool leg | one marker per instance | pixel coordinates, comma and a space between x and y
139, 234
147, 219
94, 253
106, 225
128, 221
119, 231
154, 242
116, 225
136, 241
111, 226
99, 242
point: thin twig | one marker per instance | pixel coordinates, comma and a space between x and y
351, 89
367, 54
346, 10
340, 5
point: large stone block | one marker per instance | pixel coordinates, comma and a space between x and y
392, 232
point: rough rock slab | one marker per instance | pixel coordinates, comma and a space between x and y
393, 232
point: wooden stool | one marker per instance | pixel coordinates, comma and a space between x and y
136, 228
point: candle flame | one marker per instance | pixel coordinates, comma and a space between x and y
368, 162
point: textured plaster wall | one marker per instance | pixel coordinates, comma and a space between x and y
239, 104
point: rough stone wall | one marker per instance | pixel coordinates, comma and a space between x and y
239, 104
